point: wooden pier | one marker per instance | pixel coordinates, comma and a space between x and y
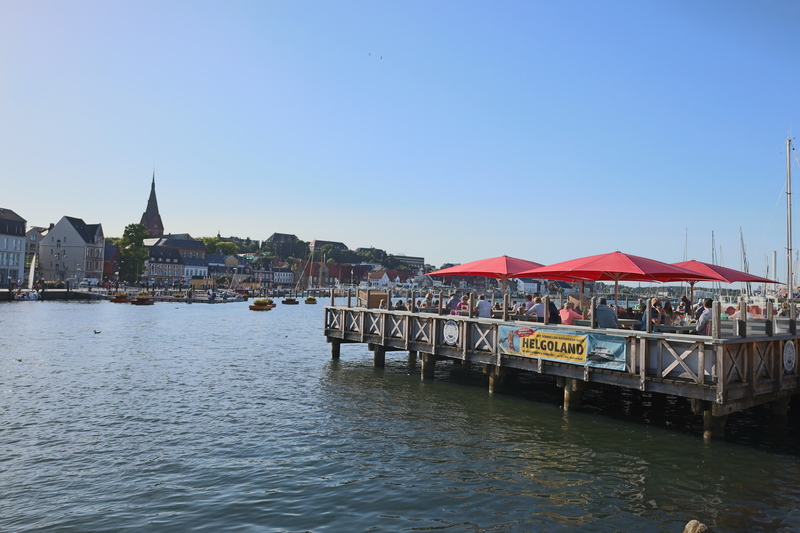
743, 363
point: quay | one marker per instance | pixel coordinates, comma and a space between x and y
741, 364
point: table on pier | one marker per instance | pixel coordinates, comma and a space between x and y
628, 322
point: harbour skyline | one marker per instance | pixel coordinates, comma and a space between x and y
448, 131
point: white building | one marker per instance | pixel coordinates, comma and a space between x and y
379, 280
12, 247
72, 249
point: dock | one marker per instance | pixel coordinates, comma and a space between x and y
741, 364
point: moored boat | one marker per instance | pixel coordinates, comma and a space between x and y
120, 297
290, 301
26, 296
310, 300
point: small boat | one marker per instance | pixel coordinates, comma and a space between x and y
262, 305
120, 297
143, 298
26, 296
290, 301
310, 300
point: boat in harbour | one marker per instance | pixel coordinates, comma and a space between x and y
289, 301
26, 295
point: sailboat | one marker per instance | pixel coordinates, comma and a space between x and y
28, 294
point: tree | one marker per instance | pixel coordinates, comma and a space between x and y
215, 245
132, 252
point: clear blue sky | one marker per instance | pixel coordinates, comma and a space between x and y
450, 130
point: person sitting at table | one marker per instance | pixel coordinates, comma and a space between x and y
464, 305
483, 308
382, 304
528, 303
399, 306
606, 317
784, 312
704, 322
452, 303
626, 313
427, 302
568, 314
536, 309
553, 316
668, 314
655, 314
640, 306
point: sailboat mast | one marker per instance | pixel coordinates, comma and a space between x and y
789, 279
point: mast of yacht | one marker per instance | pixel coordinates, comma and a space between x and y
789, 278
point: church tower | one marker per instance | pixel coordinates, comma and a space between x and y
150, 218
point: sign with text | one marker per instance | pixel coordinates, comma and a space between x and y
592, 349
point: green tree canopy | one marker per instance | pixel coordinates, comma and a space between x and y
133, 253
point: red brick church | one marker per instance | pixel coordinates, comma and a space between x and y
150, 218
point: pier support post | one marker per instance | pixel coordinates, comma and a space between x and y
379, 357
573, 391
412, 358
336, 349
713, 426
428, 365
497, 378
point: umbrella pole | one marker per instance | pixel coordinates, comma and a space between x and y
616, 294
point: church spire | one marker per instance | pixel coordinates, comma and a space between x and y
151, 219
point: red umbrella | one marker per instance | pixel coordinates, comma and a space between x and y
616, 266
726, 275
501, 267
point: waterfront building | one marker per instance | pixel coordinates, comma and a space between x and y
72, 249
32, 238
283, 277
194, 268
528, 285
417, 263
164, 266
317, 245
151, 219
188, 247
111, 262
379, 280
12, 247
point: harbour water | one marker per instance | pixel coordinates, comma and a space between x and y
180, 417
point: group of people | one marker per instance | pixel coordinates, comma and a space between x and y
608, 316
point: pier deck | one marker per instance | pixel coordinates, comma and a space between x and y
741, 365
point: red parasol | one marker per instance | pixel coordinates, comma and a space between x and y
725, 275
501, 267
616, 266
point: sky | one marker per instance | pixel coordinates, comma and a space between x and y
455, 130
